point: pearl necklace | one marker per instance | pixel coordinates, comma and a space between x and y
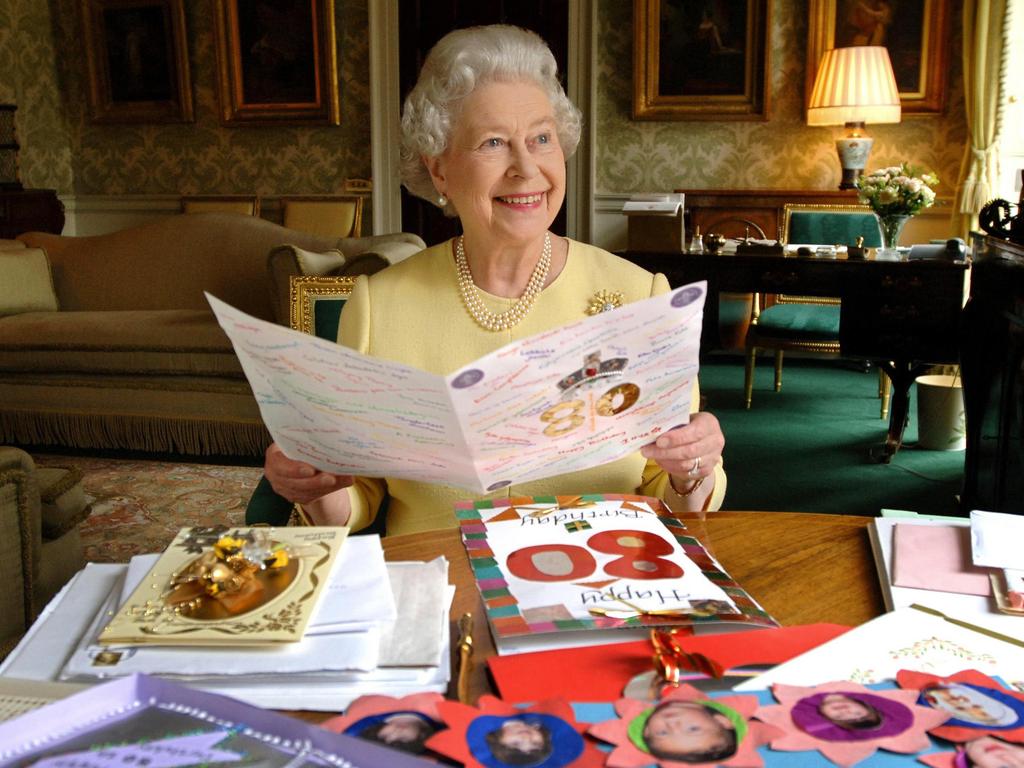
511, 317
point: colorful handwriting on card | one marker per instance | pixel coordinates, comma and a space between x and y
563, 400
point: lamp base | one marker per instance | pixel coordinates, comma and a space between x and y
853, 154
850, 176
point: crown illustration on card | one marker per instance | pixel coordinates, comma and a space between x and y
594, 370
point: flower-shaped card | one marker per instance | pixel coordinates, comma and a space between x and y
684, 728
977, 704
498, 735
847, 722
400, 723
983, 752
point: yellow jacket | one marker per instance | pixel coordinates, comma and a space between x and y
412, 313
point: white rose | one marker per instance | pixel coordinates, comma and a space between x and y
887, 196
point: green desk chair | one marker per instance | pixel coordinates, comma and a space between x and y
809, 323
316, 305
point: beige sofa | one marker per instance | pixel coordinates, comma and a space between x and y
119, 349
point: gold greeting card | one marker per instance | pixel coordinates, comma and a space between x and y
219, 586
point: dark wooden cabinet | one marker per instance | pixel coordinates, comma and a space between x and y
30, 210
992, 366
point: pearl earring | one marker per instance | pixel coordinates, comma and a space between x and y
442, 201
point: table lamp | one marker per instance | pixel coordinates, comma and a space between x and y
854, 86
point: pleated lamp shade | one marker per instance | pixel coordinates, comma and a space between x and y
854, 85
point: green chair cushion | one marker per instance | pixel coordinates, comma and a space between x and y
327, 316
833, 228
811, 322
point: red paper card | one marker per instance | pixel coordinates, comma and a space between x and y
599, 673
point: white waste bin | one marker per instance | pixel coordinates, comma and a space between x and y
940, 413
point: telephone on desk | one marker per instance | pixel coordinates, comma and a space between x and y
953, 249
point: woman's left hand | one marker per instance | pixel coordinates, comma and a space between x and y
691, 451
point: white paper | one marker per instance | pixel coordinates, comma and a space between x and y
997, 539
976, 609
331, 652
41, 654
357, 595
514, 415
416, 637
903, 639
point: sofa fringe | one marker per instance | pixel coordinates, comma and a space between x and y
190, 437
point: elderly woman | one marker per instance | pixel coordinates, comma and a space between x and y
486, 132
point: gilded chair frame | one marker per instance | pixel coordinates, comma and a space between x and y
755, 340
355, 200
221, 204
305, 290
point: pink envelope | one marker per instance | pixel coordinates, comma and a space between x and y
937, 557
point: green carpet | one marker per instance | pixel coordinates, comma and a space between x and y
805, 448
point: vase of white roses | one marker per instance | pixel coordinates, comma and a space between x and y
895, 194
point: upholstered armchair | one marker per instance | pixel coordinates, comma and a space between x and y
40, 547
809, 323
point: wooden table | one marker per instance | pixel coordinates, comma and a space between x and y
802, 568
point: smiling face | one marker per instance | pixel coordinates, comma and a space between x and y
988, 752
969, 705
403, 728
841, 709
503, 169
680, 729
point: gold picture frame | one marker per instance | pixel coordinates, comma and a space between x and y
692, 64
136, 56
918, 44
306, 290
277, 63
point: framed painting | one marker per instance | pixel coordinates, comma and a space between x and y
277, 61
137, 61
700, 61
915, 32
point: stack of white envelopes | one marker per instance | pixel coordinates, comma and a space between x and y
376, 628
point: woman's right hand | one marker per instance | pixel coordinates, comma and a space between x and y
297, 481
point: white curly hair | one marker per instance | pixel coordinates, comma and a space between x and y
458, 63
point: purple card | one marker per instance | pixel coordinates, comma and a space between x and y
147, 721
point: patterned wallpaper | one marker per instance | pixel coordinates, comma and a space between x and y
781, 152
41, 44
29, 80
204, 157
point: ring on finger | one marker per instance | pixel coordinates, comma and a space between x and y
695, 468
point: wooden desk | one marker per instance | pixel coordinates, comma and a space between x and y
732, 212
904, 315
802, 568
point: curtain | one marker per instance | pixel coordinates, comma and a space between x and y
984, 23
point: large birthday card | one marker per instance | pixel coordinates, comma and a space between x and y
561, 571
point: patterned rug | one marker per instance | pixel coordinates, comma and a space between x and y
138, 506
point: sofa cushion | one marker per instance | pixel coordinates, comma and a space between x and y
143, 342
27, 284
